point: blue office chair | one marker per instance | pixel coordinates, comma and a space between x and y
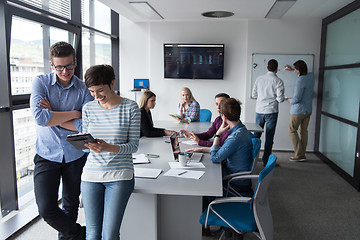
245, 214
229, 179
205, 115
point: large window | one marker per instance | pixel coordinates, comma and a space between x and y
97, 45
30, 27
28, 60
96, 38
26, 54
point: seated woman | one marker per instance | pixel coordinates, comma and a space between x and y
236, 152
189, 108
147, 129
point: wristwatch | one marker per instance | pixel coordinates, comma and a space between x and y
216, 136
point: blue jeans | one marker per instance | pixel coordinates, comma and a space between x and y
104, 205
269, 121
47, 176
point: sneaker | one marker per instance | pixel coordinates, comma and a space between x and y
205, 231
297, 159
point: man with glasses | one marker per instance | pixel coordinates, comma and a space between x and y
56, 103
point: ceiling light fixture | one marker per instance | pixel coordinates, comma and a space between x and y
217, 14
146, 10
279, 8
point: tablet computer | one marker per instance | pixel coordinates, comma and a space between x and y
78, 140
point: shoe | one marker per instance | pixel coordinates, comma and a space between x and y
205, 231
83, 233
237, 236
297, 159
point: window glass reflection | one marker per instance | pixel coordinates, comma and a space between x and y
337, 142
26, 54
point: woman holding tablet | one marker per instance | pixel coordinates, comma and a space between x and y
147, 129
108, 175
189, 108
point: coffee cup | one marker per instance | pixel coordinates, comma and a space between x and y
184, 159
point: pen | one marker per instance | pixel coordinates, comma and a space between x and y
182, 173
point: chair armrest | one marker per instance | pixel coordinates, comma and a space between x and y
228, 187
236, 174
244, 177
230, 199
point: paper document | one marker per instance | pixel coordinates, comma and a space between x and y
147, 172
140, 158
189, 142
190, 165
184, 174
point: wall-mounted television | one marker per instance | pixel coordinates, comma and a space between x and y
194, 61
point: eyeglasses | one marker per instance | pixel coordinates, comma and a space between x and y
61, 68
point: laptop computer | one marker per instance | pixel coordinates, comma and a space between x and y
140, 84
194, 156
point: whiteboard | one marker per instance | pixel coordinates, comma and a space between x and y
259, 64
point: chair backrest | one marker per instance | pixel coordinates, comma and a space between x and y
260, 202
205, 115
256, 144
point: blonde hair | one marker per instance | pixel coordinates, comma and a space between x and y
145, 97
186, 89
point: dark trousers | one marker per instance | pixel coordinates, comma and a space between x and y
269, 121
47, 176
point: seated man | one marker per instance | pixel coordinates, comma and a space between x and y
202, 139
236, 152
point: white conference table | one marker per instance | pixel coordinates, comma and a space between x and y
170, 207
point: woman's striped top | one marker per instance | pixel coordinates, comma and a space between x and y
119, 125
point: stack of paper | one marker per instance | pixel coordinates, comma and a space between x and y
184, 173
190, 165
140, 158
147, 172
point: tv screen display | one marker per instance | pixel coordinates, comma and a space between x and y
194, 61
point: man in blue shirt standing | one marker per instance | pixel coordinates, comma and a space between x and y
300, 110
269, 92
56, 103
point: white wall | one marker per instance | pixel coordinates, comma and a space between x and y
281, 37
141, 56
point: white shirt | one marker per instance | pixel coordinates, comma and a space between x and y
269, 91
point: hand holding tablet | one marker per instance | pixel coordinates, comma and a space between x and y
78, 140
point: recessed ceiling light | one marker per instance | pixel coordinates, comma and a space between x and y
279, 8
146, 10
217, 14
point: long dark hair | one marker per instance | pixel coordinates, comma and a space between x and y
301, 66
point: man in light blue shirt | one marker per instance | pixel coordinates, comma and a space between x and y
269, 92
56, 103
300, 110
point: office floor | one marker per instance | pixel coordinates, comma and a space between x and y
308, 200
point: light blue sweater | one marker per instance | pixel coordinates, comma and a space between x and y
301, 102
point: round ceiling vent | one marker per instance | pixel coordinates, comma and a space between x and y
217, 14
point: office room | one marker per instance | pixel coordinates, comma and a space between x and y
306, 198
